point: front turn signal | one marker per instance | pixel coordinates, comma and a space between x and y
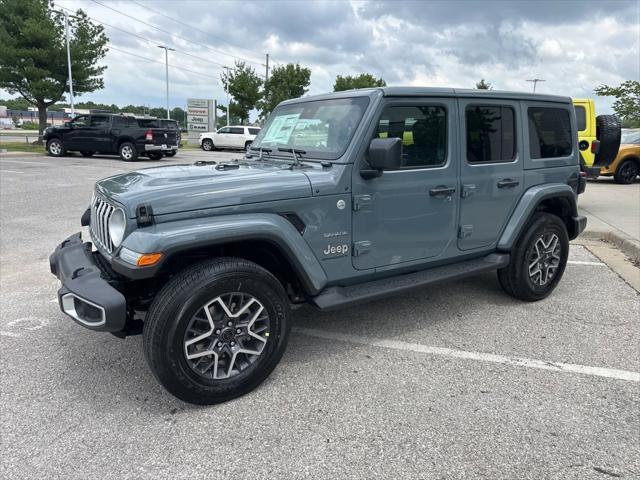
149, 259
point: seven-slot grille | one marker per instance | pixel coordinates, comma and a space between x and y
101, 212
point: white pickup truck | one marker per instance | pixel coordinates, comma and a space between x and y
238, 136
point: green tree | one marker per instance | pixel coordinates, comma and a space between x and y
16, 103
483, 85
627, 104
285, 82
364, 80
33, 59
243, 84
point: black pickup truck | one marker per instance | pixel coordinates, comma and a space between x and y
128, 136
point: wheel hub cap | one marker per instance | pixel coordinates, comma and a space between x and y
226, 336
544, 259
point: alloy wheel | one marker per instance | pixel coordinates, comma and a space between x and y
55, 147
126, 152
226, 336
544, 259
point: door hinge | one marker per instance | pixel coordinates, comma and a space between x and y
468, 189
465, 231
361, 247
360, 201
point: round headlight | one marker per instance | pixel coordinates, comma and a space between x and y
117, 224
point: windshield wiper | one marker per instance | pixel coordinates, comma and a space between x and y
295, 152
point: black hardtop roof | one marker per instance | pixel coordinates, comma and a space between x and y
435, 92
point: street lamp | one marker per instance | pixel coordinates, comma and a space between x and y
166, 67
66, 34
228, 105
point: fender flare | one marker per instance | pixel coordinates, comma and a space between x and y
174, 237
528, 204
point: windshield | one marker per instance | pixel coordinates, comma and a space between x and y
322, 128
630, 136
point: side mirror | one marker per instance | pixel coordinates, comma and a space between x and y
384, 154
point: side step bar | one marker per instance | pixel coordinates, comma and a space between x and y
337, 297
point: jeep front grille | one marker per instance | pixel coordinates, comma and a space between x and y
101, 212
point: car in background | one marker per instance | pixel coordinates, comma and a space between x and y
235, 136
598, 137
626, 166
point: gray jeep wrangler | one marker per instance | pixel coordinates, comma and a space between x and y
342, 198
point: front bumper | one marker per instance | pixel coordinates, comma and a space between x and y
85, 296
160, 148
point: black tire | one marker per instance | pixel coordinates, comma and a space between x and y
87, 154
155, 155
627, 171
516, 278
247, 145
207, 145
172, 153
177, 304
128, 152
55, 148
608, 131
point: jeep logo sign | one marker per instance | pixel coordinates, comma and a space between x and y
336, 250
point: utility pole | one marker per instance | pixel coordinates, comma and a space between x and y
266, 75
215, 115
166, 68
66, 33
535, 82
228, 104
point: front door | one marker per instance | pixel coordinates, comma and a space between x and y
491, 169
75, 138
409, 214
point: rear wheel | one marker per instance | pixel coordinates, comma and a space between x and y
626, 172
128, 152
207, 145
216, 330
171, 153
247, 146
155, 155
538, 259
87, 154
56, 148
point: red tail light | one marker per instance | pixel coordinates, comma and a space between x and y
148, 136
595, 146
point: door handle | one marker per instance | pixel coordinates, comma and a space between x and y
442, 191
508, 183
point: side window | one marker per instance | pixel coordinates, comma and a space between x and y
254, 131
423, 130
81, 121
236, 130
225, 130
491, 134
99, 120
549, 132
581, 118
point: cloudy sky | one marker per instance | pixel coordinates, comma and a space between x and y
573, 45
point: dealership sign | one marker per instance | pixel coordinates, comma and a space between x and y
200, 116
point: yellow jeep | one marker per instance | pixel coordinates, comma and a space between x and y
598, 137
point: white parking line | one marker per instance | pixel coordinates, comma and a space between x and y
626, 375
580, 262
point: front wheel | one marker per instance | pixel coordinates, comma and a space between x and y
55, 147
538, 259
626, 172
217, 330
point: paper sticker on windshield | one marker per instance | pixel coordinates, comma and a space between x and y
280, 129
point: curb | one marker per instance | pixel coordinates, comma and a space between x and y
629, 246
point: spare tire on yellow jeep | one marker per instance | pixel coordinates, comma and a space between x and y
608, 131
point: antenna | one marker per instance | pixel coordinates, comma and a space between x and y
535, 82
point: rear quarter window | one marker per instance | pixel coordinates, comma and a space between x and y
549, 132
254, 131
581, 118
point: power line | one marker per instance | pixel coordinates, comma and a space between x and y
149, 41
173, 34
196, 28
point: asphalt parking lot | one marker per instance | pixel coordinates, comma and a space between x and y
453, 381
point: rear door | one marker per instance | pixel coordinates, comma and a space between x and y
236, 137
98, 135
491, 169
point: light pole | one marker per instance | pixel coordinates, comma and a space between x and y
535, 82
66, 33
166, 68
228, 105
